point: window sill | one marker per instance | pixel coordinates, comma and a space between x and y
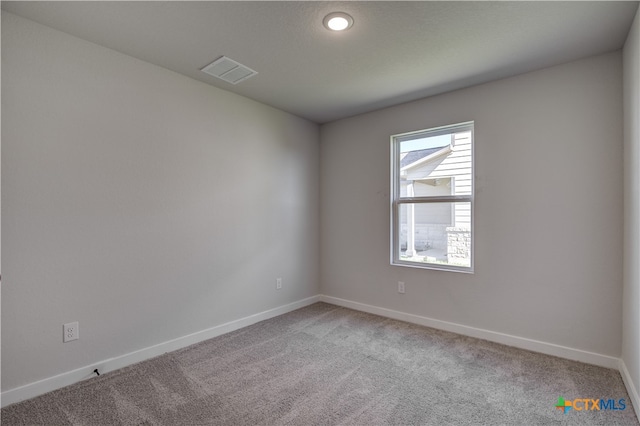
433, 266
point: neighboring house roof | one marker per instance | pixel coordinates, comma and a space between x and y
414, 156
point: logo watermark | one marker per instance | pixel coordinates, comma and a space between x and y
590, 404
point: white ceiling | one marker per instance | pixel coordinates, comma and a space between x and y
395, 51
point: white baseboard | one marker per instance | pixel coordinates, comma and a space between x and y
631, 388
492, 336
31, 390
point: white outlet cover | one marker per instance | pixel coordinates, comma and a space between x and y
70, 332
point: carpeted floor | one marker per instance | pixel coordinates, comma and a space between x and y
326, 365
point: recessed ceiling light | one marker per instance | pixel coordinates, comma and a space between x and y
338, 21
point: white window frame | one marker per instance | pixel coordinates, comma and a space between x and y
397, 200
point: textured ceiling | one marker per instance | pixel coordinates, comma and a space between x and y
395, 52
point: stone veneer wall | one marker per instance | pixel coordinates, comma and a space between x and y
458, 243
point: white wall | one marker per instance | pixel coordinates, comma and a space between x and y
141, 203
631, 293
548, 213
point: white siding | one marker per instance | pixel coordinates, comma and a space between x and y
455, 165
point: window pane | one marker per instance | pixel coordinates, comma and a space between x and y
435, 166
435, 233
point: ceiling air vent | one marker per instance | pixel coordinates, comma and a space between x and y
229, 70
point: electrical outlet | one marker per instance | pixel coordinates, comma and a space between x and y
401, 287
71, 331
278, 283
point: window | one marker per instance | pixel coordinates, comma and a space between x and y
432, 198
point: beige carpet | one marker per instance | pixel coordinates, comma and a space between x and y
326, 365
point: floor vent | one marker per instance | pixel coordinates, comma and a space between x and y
229, 70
